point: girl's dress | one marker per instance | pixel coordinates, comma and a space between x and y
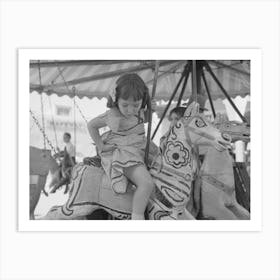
128, 135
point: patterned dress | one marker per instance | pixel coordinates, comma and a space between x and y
128, 135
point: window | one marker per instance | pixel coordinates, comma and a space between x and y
63, 110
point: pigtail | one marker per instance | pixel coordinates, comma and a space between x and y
146, 100
110, 102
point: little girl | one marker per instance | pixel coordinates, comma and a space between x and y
122, 152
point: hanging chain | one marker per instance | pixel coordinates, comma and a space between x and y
43, 132
74, 90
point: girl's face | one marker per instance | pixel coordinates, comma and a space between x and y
129, 107
173, 119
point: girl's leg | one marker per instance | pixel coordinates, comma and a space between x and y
141, 177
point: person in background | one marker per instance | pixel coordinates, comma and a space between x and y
70, 148
66, 162
174, 116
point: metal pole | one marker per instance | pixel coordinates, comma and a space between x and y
150, 113
209, 96
225, 93
199, 66
184, 85
74, 107
70, 63
194, 80
169, 103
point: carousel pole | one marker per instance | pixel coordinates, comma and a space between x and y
208, 94
170, 100
194, 80
150, 112
74, 120
224, 92
184, 84
197, 68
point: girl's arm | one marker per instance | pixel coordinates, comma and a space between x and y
93, 129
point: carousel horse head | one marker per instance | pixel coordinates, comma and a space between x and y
191, 130
201, 132
237, 130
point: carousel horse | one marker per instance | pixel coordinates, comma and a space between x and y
218, 199
204, 201
173, 171
238, 132
63, 174
218, 190
41, 163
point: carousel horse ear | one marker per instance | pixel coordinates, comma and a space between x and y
192, 110
218, 119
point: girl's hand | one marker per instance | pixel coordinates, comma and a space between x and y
153, 105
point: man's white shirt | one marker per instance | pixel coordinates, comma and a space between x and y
70, 148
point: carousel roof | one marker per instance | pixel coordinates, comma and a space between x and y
96, 78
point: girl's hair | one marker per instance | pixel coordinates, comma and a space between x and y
130, 85
179, 111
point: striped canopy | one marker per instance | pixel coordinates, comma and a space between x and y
96, 78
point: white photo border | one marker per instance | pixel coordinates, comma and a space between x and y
254, 55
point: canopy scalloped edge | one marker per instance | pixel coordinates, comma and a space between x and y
162, 96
